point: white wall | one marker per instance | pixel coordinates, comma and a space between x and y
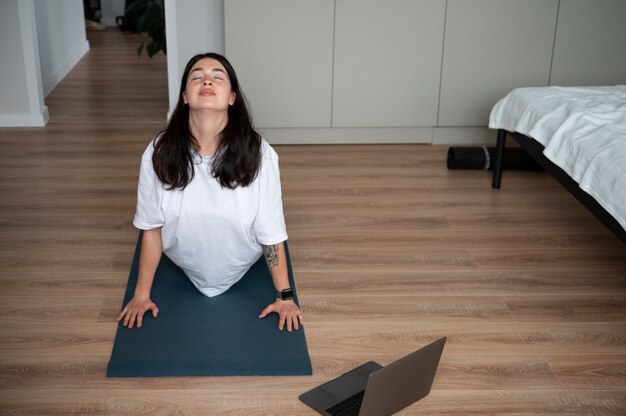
590, 44
192, 27
488, 48
40, 42
21, 95
13, 80
301, 36
110, 10
62, 38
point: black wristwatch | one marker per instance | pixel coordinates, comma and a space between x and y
285, 294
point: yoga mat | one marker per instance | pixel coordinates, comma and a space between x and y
194, 335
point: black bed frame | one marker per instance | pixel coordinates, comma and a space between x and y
535, 149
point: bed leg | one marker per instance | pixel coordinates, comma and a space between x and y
497, 168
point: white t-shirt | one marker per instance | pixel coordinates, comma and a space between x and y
213, 234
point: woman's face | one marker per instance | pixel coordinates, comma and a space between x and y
208, 87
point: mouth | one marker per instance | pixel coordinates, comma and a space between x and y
206, 92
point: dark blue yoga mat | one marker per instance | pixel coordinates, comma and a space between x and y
195, 335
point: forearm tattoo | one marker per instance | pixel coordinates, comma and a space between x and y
271, 255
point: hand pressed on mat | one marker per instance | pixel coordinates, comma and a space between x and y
135, 309
288, 313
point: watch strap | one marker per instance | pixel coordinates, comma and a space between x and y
285, 294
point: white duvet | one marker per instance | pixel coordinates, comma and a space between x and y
583, 130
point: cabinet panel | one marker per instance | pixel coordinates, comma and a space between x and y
282, 52
491, 47
387, 62
590, 46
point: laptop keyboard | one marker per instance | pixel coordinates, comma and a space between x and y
348, 407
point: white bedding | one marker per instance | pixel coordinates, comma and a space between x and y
583, 130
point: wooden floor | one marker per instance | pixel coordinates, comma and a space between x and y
390, 251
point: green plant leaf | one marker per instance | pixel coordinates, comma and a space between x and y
152, 22
154, 12
136, 6
152, 49
141, 23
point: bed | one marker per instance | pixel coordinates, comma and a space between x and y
578, 134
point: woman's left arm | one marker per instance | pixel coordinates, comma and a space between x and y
287, 310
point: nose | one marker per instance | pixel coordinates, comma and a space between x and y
207, 82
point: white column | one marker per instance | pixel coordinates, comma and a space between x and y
21, 90
191, 27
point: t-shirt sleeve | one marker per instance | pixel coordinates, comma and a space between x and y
269, 224
150, 191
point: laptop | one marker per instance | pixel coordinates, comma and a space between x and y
374, 390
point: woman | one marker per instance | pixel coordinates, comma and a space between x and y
209, 195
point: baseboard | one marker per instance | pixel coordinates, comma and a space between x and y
347, 135
382, 135
25, 120
52, 79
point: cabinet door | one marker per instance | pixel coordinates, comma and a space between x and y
387, 62
590, 45
491, 47
282, 52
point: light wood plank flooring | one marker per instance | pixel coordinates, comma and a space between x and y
390, 250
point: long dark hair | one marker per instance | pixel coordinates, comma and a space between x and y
238, 156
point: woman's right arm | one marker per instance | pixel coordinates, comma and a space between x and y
149, 257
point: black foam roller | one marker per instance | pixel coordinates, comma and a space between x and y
483, 157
